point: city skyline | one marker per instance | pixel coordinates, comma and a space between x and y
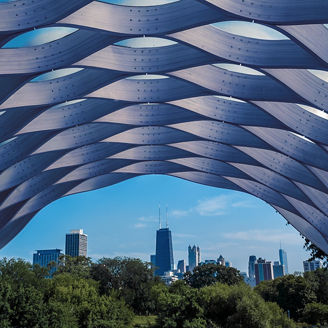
219, 221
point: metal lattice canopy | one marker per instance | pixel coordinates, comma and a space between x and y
88, 108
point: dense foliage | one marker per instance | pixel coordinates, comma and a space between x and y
123, 292
303, 297
218, 305
209, 274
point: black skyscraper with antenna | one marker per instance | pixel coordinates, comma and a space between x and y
164, 250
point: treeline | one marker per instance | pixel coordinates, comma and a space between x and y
114, 292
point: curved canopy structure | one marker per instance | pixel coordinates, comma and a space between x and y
93, 93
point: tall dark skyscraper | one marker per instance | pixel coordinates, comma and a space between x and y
263, 270
76, 243
164, 251
283, 259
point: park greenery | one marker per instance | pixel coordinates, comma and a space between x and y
123, 292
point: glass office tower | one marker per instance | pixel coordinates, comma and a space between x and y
251, 266
164, 251
76, 243
283, 259
44, 257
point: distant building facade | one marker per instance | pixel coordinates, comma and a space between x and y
210, 262
278, 270
181, 267
44, 257
193, 257
228, 264
76, 243
283, 259
263, 270
251, 266
221, 260
153, 261
249, 281
169, 277
164, 251
311, 265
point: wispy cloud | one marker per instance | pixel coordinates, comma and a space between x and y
143, 222
243, 204
183, 235
147, 219
214, 206
264, 236
140, 225
179, 213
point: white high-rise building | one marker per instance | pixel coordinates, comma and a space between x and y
76, 243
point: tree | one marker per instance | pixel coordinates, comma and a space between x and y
78, 266
319, 282
209, 274
238, 306
316, 313
132, 280
216, 306
315, 252
178, 306
291, 293
75, 302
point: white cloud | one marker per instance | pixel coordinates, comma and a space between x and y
243, 204
265, 236
180, 213
212, 206
140, 225
147, 219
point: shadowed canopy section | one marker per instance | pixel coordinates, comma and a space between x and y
93, 93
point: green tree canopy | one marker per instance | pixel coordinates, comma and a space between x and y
209, 274
291, 293
132, 279
318, 279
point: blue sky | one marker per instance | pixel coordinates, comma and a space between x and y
121, 220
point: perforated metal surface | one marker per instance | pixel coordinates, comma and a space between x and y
264, 134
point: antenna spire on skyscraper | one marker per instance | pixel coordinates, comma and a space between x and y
159, 216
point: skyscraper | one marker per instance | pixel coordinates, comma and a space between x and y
153, 260
193, 257
164, 251
278, 270
263, 270
251, 266
44, 257
311, 265
181, 266
283, 259
76, 243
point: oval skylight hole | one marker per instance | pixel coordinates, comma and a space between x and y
145, 42
147, 77
39, 36
238, 69
139, 2
56, 74
250, 30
